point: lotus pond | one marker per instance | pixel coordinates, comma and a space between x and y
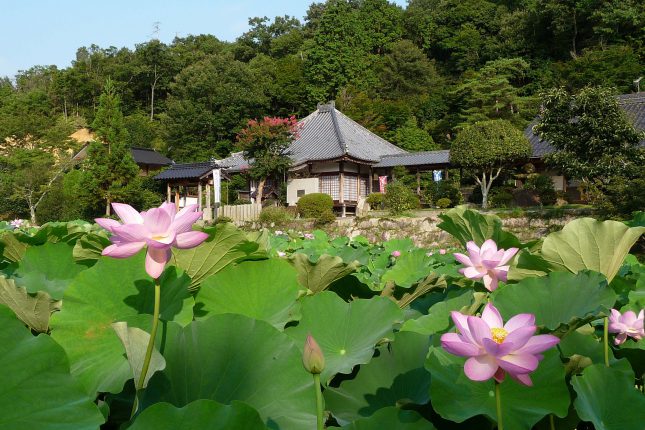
252, 327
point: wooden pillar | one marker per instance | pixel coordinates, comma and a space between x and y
199, 195
208, 195
341, 187
177, 197
168, 192
370, 183
446, 173
418, 183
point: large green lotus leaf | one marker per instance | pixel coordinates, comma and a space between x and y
589, 244
199, 415
32, 309
88, 249
394, 377
112, 290
528, 265
12, 249
225, 245
438, 317
607, 398
49, 267
391, 418
266, 290
401, 245
135, 342
557, 298
37, 391
457, 398
318, 276
346, 332
410, 267
232, 357
465, 225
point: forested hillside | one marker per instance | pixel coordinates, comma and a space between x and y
414, 75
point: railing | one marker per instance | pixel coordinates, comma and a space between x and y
240, 213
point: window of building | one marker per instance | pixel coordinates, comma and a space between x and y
330, 184
300, 193
350, 188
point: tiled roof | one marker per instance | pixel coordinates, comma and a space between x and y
328, 134
149, 156
416, 159
187, 171
632, 104
234, 163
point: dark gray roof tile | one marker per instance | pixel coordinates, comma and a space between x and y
425, 158
187, 171
149, 156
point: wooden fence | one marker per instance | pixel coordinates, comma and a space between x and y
240, 213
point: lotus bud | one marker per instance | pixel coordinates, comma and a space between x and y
396, 254
312, 357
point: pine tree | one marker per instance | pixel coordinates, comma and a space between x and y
109, 166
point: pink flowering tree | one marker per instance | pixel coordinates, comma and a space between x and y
265, 143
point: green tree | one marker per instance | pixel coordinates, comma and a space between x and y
109, 166
495, 92
405, 72
265, 142
487, 147
592, 137
413, 138
339, 52
207, 104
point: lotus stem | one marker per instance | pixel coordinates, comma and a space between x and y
552, 421
498, 399
606, 340
150, 348
319, 402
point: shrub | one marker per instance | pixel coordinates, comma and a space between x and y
543, 188
326, 217
444, 190
444, 203
399, 198
241, 202
376, 200
314, 205
223, 220
501, 197
274, 215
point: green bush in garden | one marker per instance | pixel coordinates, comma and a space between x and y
543, 188
399, 198
444, 203
314, 205
274, 215
376, 200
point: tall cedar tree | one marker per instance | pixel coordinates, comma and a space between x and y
487, 147
266, 144
109, 166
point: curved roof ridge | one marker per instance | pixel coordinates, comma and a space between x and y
339, 133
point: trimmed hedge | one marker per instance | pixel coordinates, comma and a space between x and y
315, 205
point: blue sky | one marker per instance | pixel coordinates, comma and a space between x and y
47, 32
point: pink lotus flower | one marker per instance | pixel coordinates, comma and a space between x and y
308, 236
442, 251
17, 223
627, 324
495, 348
486, 262
396, 254
160, 228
